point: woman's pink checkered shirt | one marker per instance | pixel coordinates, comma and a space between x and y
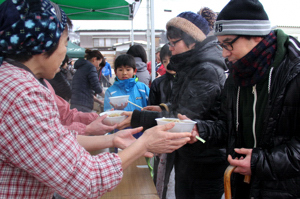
38, 155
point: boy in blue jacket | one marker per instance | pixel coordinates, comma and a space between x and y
126, 83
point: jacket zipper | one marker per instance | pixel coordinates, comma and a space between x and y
254, 113
237, 109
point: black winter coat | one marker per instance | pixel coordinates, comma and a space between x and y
275, 162
200, 76
85, 84
61, 85
161, 89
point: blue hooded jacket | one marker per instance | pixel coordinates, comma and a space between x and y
106, 70
138, 93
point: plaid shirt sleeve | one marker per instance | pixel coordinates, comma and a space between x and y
35, 144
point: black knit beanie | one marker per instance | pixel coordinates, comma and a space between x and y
243, 17
191, 23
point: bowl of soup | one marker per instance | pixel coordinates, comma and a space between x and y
113, 117
180, 125
119, 100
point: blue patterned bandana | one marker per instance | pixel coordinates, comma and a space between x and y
31, 26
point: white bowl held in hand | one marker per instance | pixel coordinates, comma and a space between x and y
180, 125
113, 117
118, 100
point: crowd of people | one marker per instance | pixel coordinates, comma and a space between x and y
230, 73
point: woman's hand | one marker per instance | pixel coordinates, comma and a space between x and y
194, 131
124, 138
154, 140
97, 127
158, 140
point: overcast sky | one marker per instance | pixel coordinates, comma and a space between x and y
282, 12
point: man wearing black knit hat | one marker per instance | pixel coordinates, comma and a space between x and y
261, 109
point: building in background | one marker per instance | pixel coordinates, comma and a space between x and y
112, 42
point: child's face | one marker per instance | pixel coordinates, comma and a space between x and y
125, 72
165, 62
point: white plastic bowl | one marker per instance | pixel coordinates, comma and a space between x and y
119, 100
181, 126
113, 120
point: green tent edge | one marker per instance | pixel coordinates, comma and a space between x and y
75, 51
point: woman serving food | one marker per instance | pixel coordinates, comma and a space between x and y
39, 156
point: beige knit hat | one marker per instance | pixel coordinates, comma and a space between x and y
191, 23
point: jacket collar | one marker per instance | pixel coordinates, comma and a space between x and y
126, 84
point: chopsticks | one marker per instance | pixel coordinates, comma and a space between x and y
134, 104
200, 139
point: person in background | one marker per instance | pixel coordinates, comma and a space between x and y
85, 83
157, 60
60, 83
70, 71
126, 83
99, 99
196, 93
64, 66
38, 154
99, 70
106, 72
159, 68
160, 92
140, 57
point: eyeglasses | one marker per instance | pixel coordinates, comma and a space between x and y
228, 45
172, 44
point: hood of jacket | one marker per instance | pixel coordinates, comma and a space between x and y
126, 84
140, 65
80, 62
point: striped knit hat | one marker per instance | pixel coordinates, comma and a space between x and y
243, 17
191, 23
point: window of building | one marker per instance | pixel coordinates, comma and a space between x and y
122, 40
108, 42
98, 42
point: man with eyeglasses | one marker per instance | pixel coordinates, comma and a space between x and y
228, 44
261, 103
